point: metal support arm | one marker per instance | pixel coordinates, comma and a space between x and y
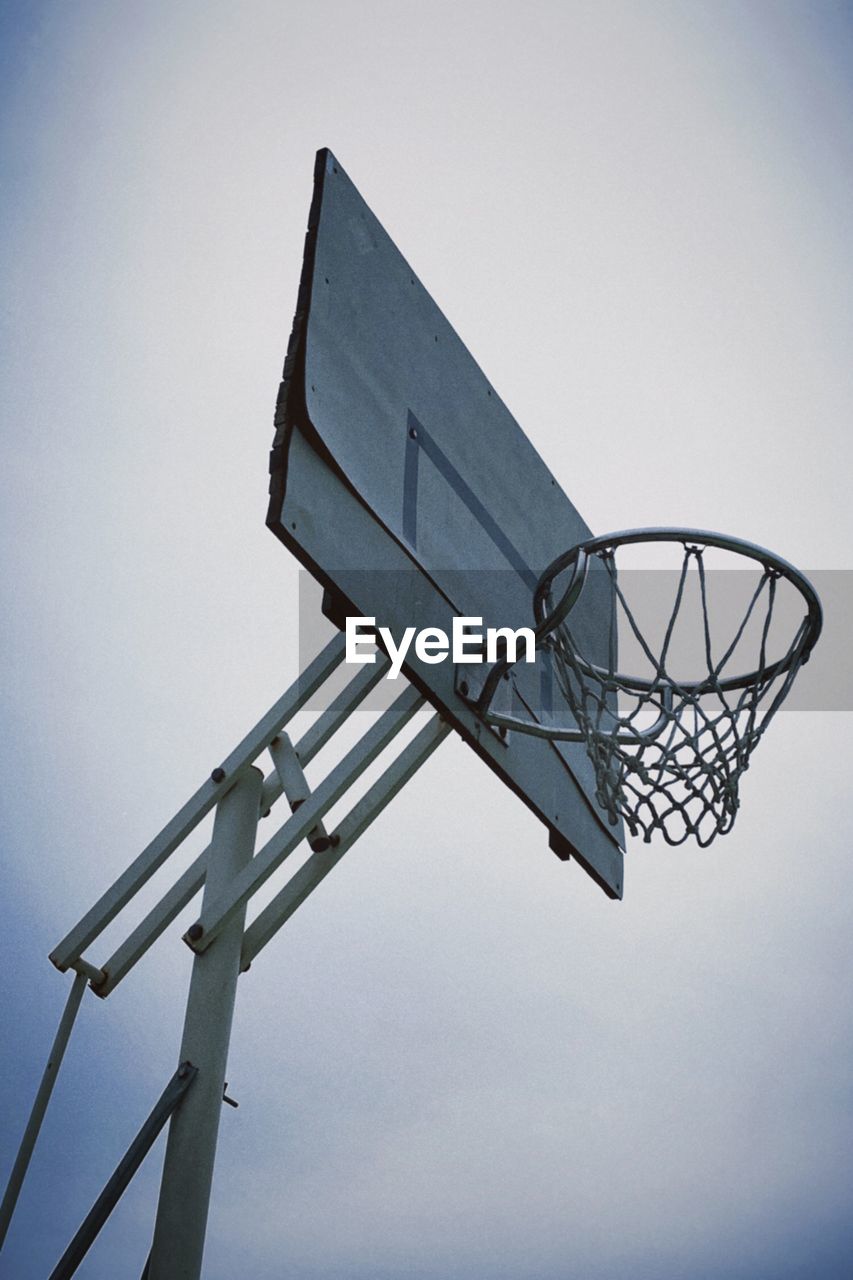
216, 916
367, 809
158, 919
186, 819
230, 875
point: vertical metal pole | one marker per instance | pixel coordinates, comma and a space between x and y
45, 1089
176, 1253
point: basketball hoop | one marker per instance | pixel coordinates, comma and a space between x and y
667, 753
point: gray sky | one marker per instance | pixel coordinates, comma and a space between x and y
459, 1058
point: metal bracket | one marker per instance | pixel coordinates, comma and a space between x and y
494, 707
295, 786
217, 915
470, 680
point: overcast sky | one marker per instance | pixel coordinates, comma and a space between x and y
459, 1058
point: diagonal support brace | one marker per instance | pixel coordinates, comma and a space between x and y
295, 786
118, 1183
214, 917
364, 812
42, 1098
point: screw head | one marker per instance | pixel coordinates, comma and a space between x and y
218, 775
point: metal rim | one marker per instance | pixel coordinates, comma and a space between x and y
578, 557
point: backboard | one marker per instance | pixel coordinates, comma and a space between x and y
403, 483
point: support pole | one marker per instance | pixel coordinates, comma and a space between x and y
42, 1098
176, 1253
